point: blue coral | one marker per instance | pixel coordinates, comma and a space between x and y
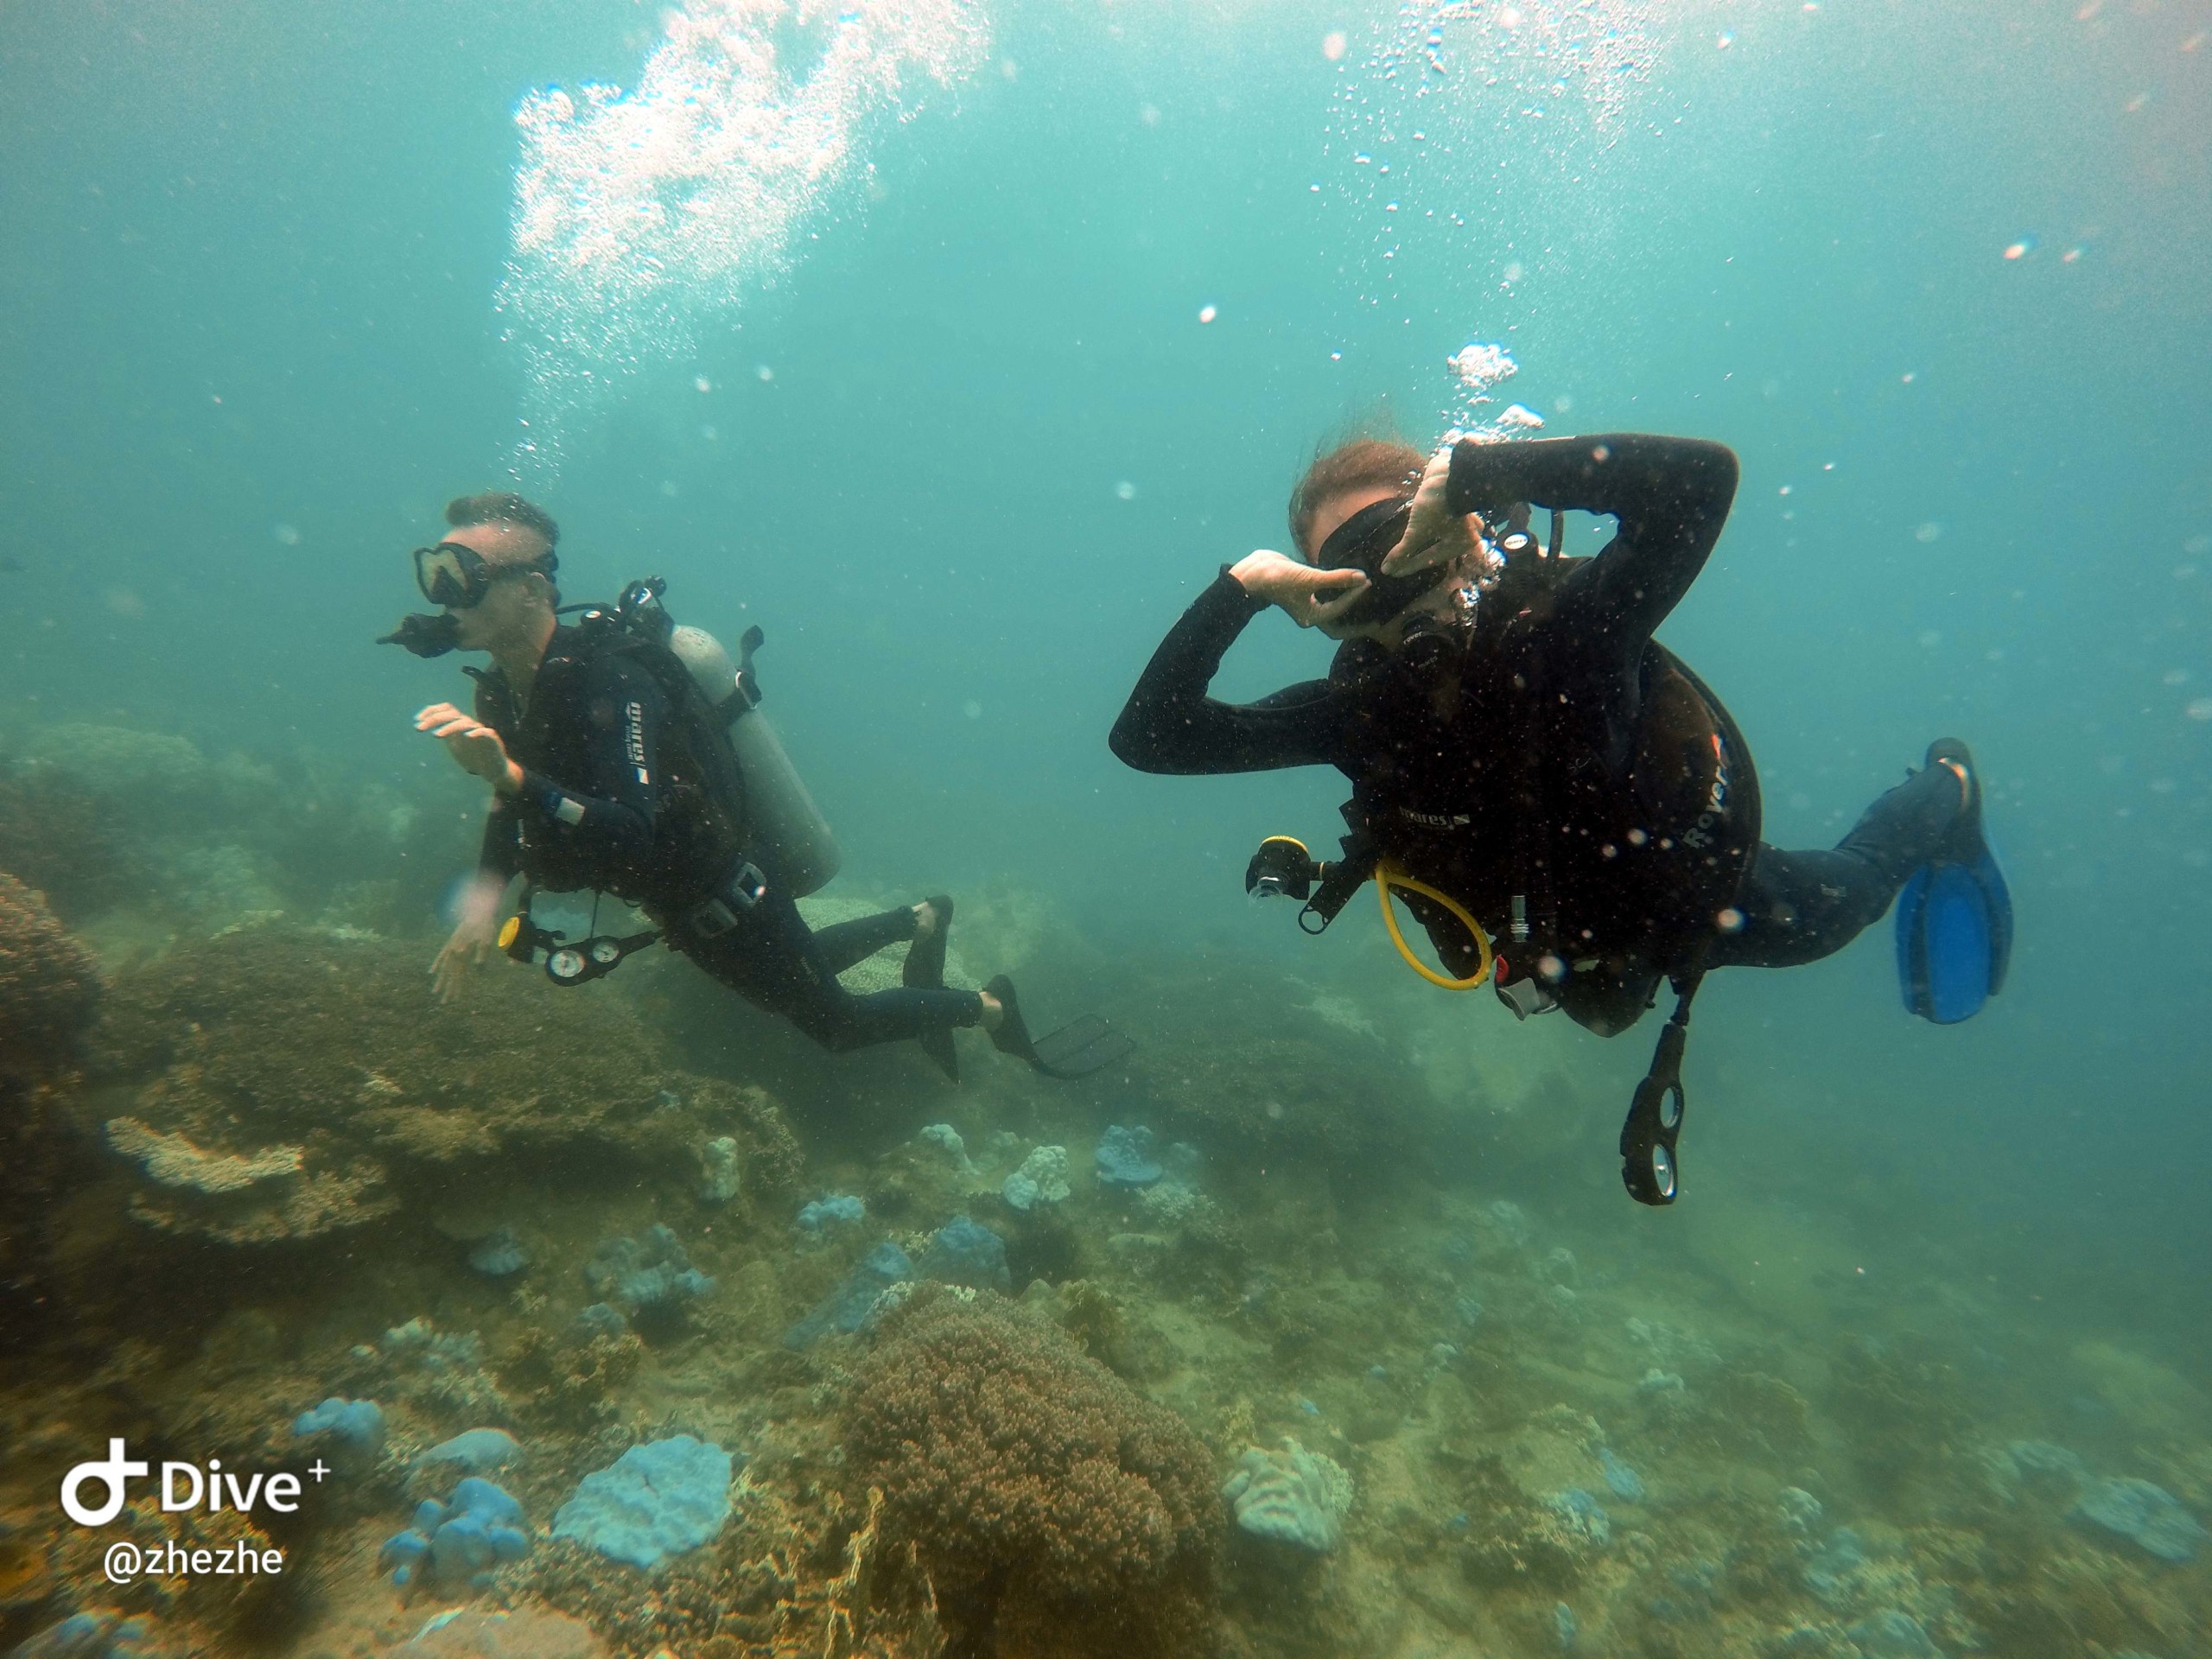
461, 1540
498, 1255
1124, 1157
656, 1501
965, 1252
476, 1451
355, 1426
1625, 1484
2149, 1515
820, 1213
845, 1309
649, 1275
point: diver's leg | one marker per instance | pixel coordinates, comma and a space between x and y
843, 944
771, 959
1800, 907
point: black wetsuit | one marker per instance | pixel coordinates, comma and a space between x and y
1522, 742
600, 808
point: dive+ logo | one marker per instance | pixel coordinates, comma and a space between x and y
115, 1473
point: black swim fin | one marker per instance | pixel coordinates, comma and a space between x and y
1954, 916
1076, 1049
924, 967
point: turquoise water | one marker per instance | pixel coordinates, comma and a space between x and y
967, 415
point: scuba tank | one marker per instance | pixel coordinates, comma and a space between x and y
788, 832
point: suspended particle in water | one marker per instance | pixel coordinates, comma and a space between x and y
764, 372
288, 534
1515, 270
2200, 709
1563, 404
1126, 490
1727, 39
2021, 249
1008, 69
1332, 46
700, 383
2070, 256
1149, 115
2175, 677
1930, 637
1927, 532
1207, 313
972, 709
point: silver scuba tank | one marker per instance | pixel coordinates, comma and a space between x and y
790, 834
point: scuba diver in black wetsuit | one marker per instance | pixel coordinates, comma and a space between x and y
1529, 765
626, 755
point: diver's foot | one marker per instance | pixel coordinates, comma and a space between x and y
1002, 1019
925, 964
1954, 756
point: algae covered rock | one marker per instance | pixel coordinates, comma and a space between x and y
1291, 1496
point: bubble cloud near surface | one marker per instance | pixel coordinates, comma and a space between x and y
642, 215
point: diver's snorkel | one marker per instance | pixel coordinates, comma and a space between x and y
426, 636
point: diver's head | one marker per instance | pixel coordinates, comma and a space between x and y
1348, 512
493, 572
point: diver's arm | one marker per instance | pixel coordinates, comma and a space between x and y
1171, 725
1670, 495
606, 815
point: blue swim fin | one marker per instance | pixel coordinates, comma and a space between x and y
1954, 918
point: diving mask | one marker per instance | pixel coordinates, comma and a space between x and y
458, 576
1361, 544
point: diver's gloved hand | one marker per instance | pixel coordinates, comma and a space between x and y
1306, 595
1434, 534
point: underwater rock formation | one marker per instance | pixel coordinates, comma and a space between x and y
819, 1215
475, 1452
352, 1428
657, 1500
50, 984
1124, 1157
277, 1046
1052, 1506
845, 1309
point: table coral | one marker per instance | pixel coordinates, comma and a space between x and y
1049, 1503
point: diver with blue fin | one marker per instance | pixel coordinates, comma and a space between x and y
627, 755
1568, 810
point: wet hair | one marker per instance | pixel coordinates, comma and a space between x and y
503, 507
1361, 463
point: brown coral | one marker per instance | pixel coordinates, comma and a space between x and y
1056, 1510
48, 982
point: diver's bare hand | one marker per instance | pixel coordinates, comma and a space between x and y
469, 947
1434, 534
1306, 595
474, 745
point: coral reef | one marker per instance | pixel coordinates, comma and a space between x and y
50, 984
289, 1085
1049, 1504
462, 1540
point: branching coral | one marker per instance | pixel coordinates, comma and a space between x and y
1053, 1507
